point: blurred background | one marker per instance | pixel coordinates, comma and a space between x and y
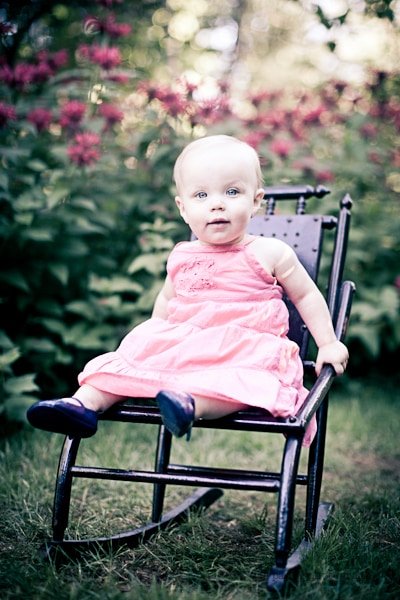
96, 100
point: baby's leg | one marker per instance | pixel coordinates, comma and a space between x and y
209, 408
96, 399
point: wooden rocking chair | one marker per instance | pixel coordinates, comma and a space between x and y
305, 234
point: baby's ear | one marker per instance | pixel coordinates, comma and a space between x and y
258, 197
181, 207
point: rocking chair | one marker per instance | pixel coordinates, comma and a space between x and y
305, 234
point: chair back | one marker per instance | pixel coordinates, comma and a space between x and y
303, 232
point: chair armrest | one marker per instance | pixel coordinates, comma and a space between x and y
324, 381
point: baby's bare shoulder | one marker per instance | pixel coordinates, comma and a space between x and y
270, 251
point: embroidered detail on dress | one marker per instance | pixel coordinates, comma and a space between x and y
196, 274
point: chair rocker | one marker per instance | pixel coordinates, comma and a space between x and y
305, 234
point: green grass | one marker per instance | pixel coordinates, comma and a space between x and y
226, 551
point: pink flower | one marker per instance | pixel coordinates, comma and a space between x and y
54, 61
210, 111
254, 139
281, 147
173, 102
324, 176
313, 116
275, 119
121, 78
84, 151
111, 114
87, 139
114, 29
375, 157
395, 159
7, 113
72, 114
6, 74
40, 117
24, 74
369, 131
107, 57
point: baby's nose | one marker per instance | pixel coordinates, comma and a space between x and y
218, 203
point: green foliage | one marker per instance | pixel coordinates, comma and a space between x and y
86, 211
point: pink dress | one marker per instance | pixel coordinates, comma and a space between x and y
225, 337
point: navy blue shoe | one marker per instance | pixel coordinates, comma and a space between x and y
177, 412
61, 416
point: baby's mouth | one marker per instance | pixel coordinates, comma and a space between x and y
218, 222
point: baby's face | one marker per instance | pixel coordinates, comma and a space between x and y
218, 193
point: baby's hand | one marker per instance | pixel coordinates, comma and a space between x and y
335, 354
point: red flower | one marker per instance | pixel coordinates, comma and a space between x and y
111, 114
72, 114
375, 157
53, 61
275, 119
324, 176
210, 111
281, 147
84, 152
107, 57
369, 131
114, 29
118, 77
314, 116
395, 159
23, 75
7, 113
40, 117
254, 139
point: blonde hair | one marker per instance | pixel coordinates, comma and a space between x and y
213, 141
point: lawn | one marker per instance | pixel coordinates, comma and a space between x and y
224, 552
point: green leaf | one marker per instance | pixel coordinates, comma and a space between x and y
368, 336
5, 341
3, 181
39, 345
152, 263
87, 337
9, 357
83, 309
56, 195
15, 279
36, 165
38, 235
116, 284
59, 271
21, 384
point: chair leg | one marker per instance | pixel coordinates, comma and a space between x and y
62, 495
163, 454
284, 522
315, 471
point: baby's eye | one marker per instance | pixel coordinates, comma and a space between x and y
200, 195
232, 192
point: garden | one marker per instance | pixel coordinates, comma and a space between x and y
97, 100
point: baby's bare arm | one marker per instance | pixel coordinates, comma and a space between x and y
281, 261
165, 294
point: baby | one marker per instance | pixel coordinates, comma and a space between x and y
217, 339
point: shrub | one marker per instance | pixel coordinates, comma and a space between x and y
87, 219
